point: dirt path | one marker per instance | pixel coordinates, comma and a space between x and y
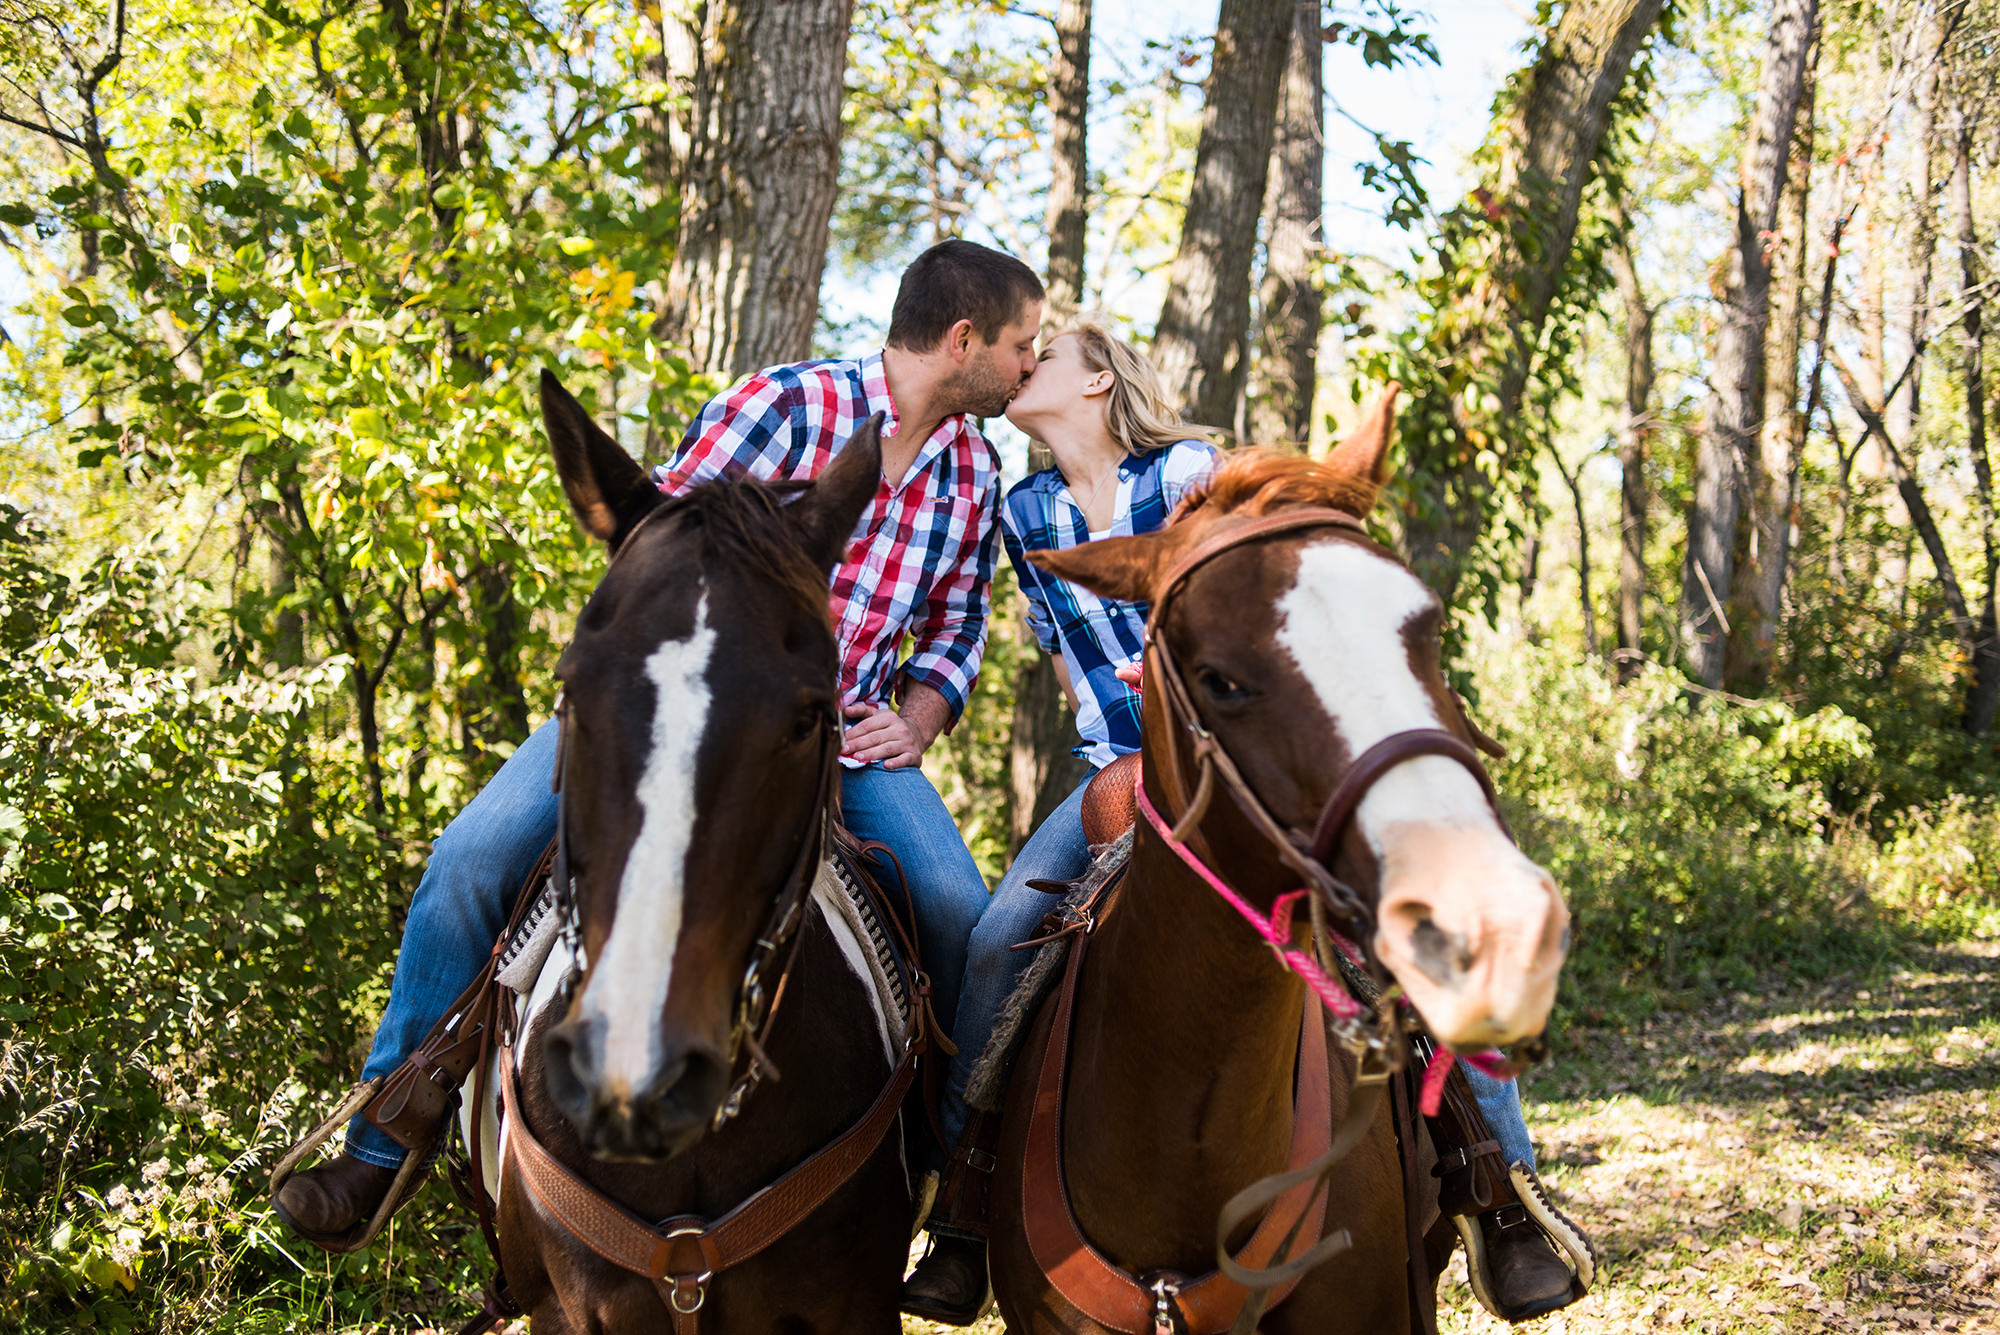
1803, 1160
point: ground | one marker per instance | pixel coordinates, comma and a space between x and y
1800, 1159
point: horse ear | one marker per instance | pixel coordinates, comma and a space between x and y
827, 513
607, 488
1364, 455
1121, 568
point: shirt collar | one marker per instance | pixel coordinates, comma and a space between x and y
875, 386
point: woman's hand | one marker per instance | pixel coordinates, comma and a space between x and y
1132, 673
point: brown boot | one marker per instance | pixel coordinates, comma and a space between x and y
950, 1285
1523, 1256
332, 1205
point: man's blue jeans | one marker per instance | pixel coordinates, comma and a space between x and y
1057, 852
479, 862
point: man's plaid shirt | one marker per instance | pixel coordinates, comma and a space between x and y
921, 559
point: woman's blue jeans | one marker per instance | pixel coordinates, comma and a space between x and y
1057, 852
478, 863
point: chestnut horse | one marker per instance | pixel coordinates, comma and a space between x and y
1298, 647
701, 726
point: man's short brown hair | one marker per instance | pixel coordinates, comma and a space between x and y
959, 280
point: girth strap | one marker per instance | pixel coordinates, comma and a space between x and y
1114, 1297
683, 1254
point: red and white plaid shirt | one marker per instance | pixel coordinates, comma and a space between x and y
921, 559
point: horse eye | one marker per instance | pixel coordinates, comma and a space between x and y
806, 724
1220, 687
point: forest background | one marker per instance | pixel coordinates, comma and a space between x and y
1694, 447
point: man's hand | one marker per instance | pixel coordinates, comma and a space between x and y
881, 735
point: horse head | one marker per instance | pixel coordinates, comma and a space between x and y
701, 724
1300, 649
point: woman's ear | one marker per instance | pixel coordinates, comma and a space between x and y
1099, 384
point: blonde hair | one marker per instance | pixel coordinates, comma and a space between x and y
1137, 411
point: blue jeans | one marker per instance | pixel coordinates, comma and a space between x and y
479, 862
1500, 1100
1056, 852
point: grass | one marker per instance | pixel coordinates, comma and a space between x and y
1806, 1158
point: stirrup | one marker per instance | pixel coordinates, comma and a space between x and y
408, 1178
1571, 1244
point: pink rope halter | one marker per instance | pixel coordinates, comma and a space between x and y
1276, 929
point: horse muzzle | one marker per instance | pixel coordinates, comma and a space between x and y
1475, 933
616, 1121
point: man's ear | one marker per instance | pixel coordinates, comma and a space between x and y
959, 340
833, 505
1122, 568
1364, 455
606, 487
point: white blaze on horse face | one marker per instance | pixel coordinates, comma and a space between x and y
628, 987
1467, 923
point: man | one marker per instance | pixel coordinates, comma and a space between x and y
961, 341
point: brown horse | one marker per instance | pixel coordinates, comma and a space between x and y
1298, 649
700, 731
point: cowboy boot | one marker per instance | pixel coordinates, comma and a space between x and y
330, 1205
1524, 1257
949, 1285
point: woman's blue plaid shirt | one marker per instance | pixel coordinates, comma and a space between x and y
1095, 636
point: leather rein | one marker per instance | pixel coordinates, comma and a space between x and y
1289, 1240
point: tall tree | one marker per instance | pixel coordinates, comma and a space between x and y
757, 186
1736, 408
1069, 179
1198, 344
1041, 768
1468, 377
1289, 300
1635, 436
1774, 479
1983, 700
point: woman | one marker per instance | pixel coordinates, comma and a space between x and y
1122, 461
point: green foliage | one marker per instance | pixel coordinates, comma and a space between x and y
1703, 846
168, 904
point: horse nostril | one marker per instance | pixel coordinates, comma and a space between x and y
1438, 953
566, 1070
690, 1089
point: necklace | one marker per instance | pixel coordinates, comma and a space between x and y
1096, 488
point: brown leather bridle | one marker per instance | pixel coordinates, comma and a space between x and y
1310, 853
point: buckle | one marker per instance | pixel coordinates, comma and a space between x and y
689, 1292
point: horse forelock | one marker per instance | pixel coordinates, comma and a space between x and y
1253, 483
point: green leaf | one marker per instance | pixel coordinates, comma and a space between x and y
16, 215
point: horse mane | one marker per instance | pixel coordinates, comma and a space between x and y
743, 524
1256, 482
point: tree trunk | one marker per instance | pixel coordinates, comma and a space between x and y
1983, 702
1041, 770
500, 713
1550, 147
1290, 299
1206, 316
1069, 183
1781, 436
1634, 445
1918, 509
1902, 410
757, 188
1731, 433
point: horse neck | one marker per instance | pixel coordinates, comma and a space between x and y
1181, 1065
